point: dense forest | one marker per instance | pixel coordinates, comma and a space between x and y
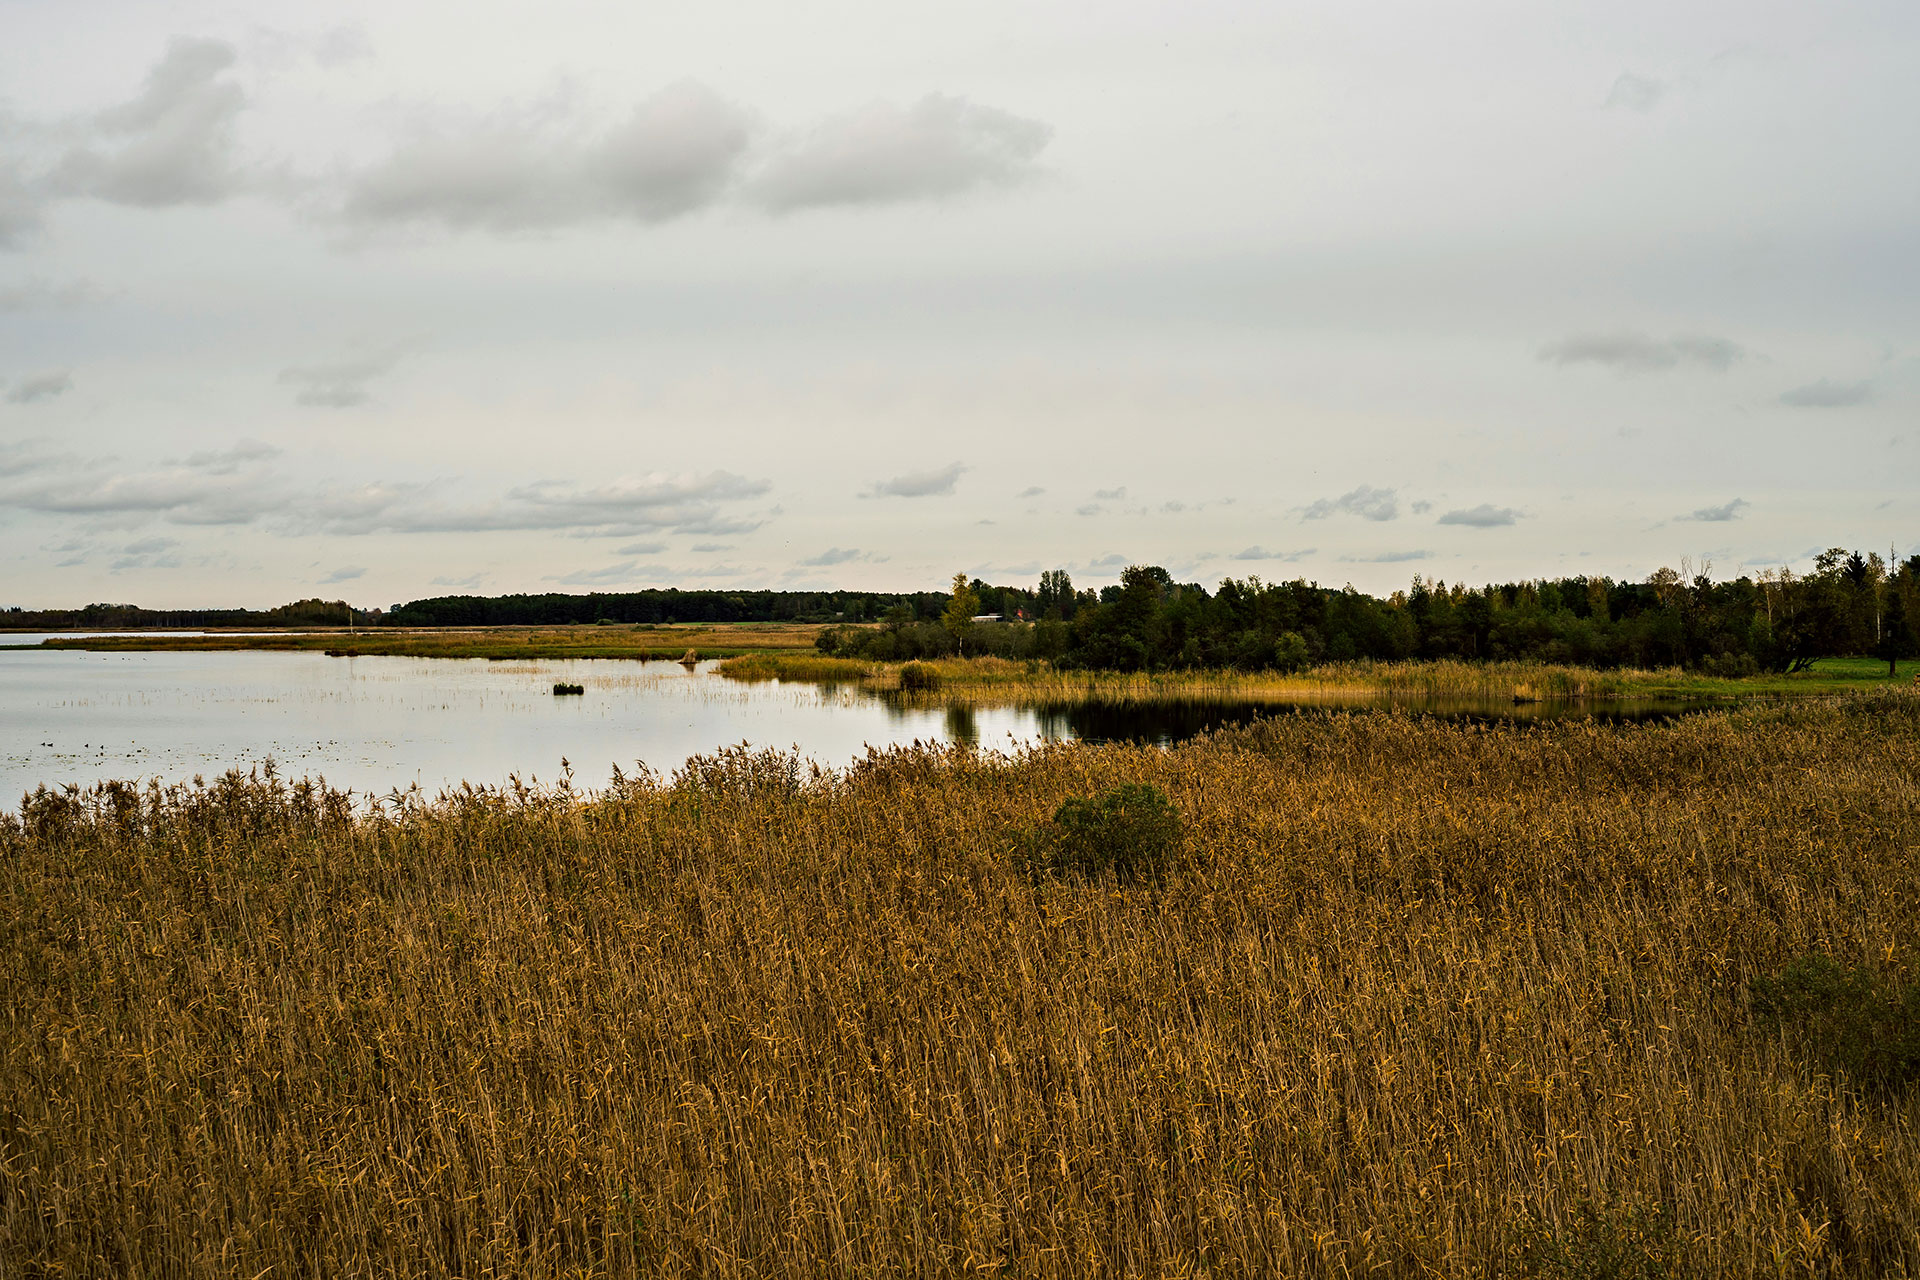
1850, 603
1778, 621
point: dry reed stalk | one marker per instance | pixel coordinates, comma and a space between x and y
1430, 991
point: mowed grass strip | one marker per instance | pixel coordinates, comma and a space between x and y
1424, 998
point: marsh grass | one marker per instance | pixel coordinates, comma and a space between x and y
993, 681
1431, 998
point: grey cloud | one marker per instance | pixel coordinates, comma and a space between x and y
918, 484
676, 153
171, 145
33, 294
1089, 509
341, 47
722, 526
1639, 353
346, 573
235, 487
1715, 515
1636, 93
147, 553
17, 459
687, 503
1367, 502
641, 549
179, 494
1827, 394
708, 547
20, 210
940, 146
1388, 557
1484, 516
1421, 508
835, 555
1108, 495
37, 387
1033, 492
630, 572
1261, 553
341, 385
622, 572
227, 461
1114, 561
471, 580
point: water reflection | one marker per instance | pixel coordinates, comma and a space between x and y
376, 723
962, 726
1166, 723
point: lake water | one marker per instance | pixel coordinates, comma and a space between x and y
374, 724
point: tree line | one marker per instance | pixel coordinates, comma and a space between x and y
1850, 604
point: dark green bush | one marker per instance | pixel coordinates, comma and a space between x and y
1847, 1020
919, 677
1131, 832
1628, 1242
562, 688
1290, 653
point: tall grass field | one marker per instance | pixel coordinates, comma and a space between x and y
1408, 997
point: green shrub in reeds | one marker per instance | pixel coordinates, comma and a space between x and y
1130, 832
919, 677
562, 688
1427, 998
1846, 1018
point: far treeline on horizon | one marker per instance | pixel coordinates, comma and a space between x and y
1850, 604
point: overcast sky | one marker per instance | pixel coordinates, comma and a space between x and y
388, 301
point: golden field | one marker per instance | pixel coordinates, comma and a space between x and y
1425, 998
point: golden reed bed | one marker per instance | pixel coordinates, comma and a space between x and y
1432, 998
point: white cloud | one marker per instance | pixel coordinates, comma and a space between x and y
883, 153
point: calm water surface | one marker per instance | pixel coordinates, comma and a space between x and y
374, 724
